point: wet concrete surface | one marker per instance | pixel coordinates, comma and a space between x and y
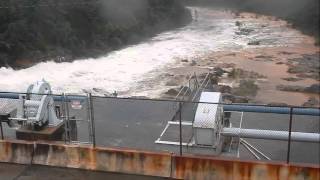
37, 172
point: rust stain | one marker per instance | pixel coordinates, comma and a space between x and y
87, 158
200, 168
16, 152
218, 168
103, 159
304, 173
149, 163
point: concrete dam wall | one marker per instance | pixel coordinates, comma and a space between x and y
147, 163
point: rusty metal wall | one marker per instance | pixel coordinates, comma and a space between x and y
16, 151
103, 159
188, 167
148, 163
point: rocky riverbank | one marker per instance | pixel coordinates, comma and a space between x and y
246, 86
302, 15
265, 75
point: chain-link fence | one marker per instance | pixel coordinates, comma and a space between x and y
249, 132
264, 149
131, 123
301, 151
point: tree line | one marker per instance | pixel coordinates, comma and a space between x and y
38, 30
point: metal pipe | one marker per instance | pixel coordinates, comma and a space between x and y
55, 97
226, 107
271, 135
275, 110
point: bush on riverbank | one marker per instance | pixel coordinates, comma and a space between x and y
246, 88
36, 30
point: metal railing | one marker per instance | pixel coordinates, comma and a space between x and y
202, 86
187, 90
138, 123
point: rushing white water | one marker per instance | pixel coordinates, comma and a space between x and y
123, 69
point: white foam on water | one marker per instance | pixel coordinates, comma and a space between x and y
123, 69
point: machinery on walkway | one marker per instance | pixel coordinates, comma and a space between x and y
34, 115
36, 108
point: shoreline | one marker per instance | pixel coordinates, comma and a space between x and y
264, 51
273, 64
267, 92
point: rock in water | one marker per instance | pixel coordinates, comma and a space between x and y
314, 88
256, 43
172, 92
312, 102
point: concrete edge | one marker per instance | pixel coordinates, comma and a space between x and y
147, 163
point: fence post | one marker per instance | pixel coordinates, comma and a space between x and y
67, 119
289, 138
64, 109
180, 128
91, 117
1, 129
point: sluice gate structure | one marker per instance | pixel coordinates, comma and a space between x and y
195, 136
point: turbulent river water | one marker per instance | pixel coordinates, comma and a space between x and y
124, 69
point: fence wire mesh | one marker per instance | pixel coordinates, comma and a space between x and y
77, 121
180, 127
264, 149
130, 123
302, 152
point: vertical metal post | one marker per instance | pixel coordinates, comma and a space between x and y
289, 139
197, 82
1, 129
180, 128
91, 117
66, 119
